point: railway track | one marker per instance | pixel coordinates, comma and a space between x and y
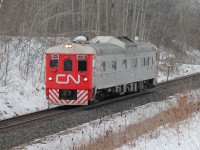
9, 124
53, 112
43, 118
24, 119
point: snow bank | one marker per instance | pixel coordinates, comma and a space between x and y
183, 136
88, 132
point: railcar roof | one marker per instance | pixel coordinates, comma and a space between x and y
146, 47
76, 49
106, 48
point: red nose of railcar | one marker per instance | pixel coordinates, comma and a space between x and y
69, 78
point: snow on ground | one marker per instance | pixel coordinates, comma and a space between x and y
21, 84
83, 134
183, 136
21, 100
183, 70
95, 129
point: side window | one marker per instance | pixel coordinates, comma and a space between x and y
114, 65
124, 64
104, 66
54, 63
82, 65
67, 65
134, 62
143, 61
147, 61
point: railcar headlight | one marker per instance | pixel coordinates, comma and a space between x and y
50, 78
85, 79
68, 45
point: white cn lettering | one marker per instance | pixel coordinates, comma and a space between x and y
68, 79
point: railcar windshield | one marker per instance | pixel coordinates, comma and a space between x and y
53, 63
67, 65
82, 65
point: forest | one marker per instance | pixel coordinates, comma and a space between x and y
158, 21
29, 27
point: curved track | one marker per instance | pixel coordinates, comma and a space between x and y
9, 124
50, 121
53, 112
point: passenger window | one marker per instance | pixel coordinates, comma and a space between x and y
104, 66
67, 65
148, 60
143, 61
82, 65
124, 64
134, 62
114, 65
53, 63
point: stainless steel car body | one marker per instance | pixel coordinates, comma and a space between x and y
111, 49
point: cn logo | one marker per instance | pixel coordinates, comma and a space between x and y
68, 77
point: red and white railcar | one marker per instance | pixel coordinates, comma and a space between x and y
79, 72
69, 74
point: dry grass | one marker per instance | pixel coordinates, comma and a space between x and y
171, 116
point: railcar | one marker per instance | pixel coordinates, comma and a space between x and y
81, 72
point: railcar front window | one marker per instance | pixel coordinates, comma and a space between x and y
53, 63
82, 65
67, 65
